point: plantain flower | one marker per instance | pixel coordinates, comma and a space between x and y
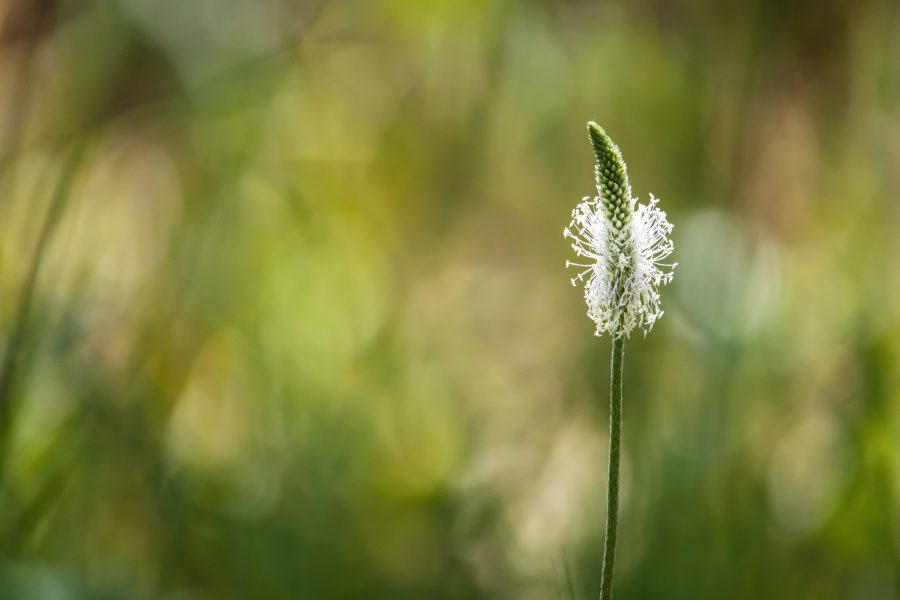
621, 245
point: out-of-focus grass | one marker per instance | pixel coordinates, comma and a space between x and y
300, 327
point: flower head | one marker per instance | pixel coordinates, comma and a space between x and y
623, 245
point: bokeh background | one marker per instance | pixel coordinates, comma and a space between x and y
283, 311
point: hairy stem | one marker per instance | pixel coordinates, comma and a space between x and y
615, 435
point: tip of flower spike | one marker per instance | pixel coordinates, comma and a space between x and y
595, 131
603, 145
610, 170
599, 140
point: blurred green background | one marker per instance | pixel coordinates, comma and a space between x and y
283, 311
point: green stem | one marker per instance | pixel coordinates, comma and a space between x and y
615, 435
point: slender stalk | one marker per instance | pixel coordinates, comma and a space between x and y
615, 435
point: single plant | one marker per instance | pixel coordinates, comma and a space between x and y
623, 245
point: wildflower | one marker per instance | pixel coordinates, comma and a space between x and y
623, 245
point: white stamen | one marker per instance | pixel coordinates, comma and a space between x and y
628, 263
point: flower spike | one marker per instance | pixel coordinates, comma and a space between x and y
623, 246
